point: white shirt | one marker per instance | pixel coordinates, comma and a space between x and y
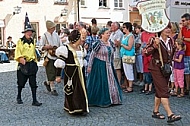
50, 39
117, 35
166, 43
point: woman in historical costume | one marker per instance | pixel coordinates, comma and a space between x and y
160, 81
102, 85
71, 58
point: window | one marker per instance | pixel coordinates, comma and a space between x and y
35, 25
64, 2
30, 1
82, 2
118, 3
103, 3
59, 26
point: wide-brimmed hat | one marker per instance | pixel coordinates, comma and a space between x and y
28, 29
50, 24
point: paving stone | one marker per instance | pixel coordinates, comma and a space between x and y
136, 109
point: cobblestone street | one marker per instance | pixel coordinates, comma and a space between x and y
136, 109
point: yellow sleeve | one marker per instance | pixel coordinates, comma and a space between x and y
18, 50
36, 60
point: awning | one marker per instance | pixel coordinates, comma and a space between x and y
178, 3
2, 24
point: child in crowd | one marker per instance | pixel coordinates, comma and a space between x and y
138, 52
146, 73
171, 82
179, 67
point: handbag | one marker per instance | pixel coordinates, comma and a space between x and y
128, 59
30, 68
165, 68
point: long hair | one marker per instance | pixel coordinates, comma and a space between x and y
180, 42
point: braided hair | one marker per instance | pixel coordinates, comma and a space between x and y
74, 36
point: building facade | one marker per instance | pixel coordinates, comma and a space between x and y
62, 12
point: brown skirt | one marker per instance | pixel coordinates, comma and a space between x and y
160, 83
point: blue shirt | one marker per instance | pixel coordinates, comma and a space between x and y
125, 41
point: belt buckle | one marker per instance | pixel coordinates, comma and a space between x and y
157, 61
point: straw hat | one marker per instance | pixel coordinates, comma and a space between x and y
50, 24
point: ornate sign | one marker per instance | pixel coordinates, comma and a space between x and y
154, 18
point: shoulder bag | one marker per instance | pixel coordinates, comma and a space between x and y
165, 68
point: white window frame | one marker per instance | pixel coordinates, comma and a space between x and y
84, 2
35, 26
60, 1
30, 1
118, 2
104, 1
1, 36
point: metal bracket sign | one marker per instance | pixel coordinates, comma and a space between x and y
154, 18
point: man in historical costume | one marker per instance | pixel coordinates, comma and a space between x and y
49, 42
26, 57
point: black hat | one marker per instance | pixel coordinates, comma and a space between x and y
9, 37
27, 25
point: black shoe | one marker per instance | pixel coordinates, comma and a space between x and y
148, 93
54, 92
143, 91
36, 103
19, 101
47, 86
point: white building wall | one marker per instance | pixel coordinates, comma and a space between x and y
103, 15
37, 12
47, 10
176, 13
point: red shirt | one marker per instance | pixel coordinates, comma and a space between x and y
186, 34
145, 36
146, 61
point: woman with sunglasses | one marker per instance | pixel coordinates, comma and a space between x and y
160, 81
128, 49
